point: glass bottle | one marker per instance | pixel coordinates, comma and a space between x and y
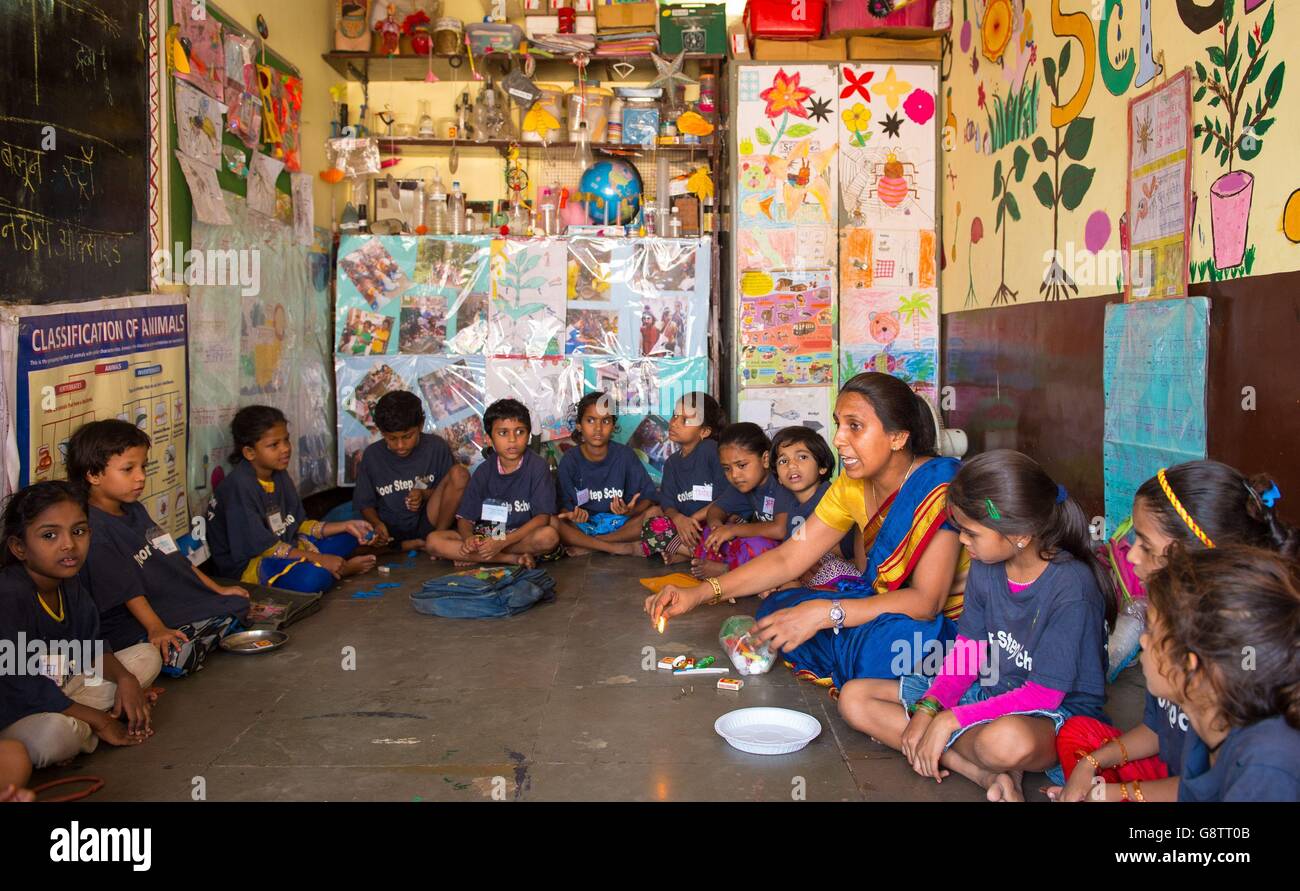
456, 208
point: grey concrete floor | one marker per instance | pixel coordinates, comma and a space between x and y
551, 705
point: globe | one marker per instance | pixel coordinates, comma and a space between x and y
605, 184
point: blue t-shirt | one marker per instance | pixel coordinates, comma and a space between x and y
803, 513
1170, 725
384, 479
243, 518
683, 475
527, 492
129, 558
1256, 763
593, 485
1052, 633
21, 692
762, 504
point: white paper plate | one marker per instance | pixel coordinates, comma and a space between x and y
767, 731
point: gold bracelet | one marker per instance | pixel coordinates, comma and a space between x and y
1137, 790
717, 592
1123, 751
1096, 765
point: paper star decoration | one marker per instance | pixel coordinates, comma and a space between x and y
670, 72
891, 125
820, 109
893, 89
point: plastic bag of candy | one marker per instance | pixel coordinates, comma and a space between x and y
748, 655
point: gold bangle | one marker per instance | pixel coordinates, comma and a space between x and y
1123, 751
1137, 790
717, 592
1088, 756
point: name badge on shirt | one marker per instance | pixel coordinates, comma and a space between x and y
769, 505
199, 555
702, 493
276, 522
58, 668
495, 512
583, 496
161, 541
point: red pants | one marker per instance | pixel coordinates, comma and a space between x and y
1090, 734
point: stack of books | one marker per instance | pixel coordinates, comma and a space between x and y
627, 43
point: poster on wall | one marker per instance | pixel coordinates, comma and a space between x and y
1154, 374
92, 364
786, 323
259, 333
526, 315
1160, 190
787, 142
887, 145
894, 331
775, 408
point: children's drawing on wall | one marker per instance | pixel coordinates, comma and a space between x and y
788, 141
1233, 131
527, 307
1064, 181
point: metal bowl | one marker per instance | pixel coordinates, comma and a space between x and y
251, 643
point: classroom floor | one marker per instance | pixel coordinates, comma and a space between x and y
554, 702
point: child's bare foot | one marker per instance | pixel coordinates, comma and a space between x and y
628, 549
414, 544
153, 693
1006, 787
575, 551
358, 565
462, 564
707, 569
527, 561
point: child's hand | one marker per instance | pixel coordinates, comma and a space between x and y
359, 529
112, 732
718, 537
488, 548
688, 529
13, 793
1079, 786
130, 700
382, 536
576, 516
469, 547
914, 733
926, 757
619, 506
329, 562
233, 591
165, 639
415, 498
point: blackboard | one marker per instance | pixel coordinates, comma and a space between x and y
74, 149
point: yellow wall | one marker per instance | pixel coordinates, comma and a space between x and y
1104, 69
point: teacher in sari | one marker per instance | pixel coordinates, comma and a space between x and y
893, 487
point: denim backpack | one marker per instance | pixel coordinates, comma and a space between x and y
484, 592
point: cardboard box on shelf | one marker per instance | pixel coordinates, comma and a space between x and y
737, 42
895, 49
627, 16
829, 50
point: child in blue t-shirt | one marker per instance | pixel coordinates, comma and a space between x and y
803, 466
605, 492
409, 485
1031, 642
1207, 608
752, 516
692, 480
1226, 507
506, 514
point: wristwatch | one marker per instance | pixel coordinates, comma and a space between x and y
837, 616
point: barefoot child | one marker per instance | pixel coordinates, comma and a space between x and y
56, 714
146, 589
803, 466
505, 515
1207, 608
256, 524
1172, 510
1036, 598
752, 515
409, 485
605, 492
693, 478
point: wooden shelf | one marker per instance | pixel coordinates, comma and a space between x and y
502, 145
366, 67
